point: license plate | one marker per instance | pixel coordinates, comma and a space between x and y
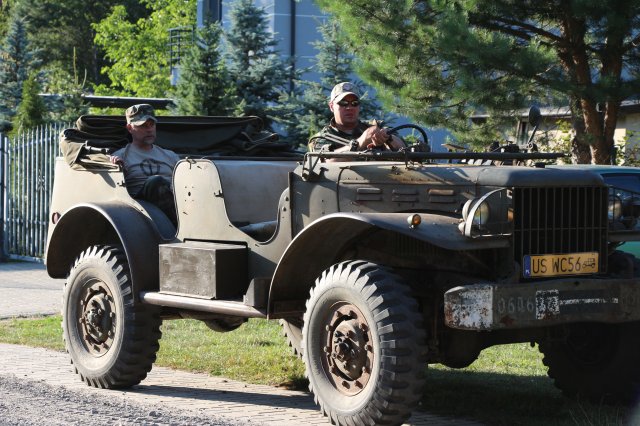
552, 265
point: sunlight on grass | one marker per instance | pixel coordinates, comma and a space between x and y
255, 352
45, 332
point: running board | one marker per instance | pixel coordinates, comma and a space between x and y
224, 307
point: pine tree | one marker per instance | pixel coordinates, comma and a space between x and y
5, 12
441, 61
203, 87
71, 88
260, 76
32, 111
17, 61
307, 111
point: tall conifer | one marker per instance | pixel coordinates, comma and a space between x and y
203, 87
17, 61
259, 74
32, 111
440, 62
307, 111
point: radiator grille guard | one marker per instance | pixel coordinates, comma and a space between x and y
560, 220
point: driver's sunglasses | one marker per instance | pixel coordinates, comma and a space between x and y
347, 103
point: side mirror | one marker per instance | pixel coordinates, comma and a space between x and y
534, 116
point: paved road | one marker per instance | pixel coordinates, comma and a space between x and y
26, 290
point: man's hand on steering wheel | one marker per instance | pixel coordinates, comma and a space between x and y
376, 137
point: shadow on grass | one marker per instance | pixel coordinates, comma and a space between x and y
504, 399
296, 382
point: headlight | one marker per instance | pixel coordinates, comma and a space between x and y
615, 208
480, 209
487, 215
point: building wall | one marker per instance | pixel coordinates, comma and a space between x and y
627, 132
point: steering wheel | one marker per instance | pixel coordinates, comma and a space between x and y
420, 146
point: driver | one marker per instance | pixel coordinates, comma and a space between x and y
346, 132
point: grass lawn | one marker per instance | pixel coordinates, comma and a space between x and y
507, 385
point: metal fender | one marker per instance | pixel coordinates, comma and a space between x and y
85, 225
323, 241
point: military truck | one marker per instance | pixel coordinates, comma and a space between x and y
376, 263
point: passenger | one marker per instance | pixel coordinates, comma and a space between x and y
346, 132
148, 168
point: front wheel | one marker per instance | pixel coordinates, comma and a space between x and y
363, 345
111, 339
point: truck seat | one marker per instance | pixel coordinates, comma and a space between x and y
252, 189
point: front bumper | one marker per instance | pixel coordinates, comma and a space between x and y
494, 306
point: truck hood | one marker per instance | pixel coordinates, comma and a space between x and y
507, 176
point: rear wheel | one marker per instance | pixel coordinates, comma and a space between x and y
363, 345
111, 339
598, 362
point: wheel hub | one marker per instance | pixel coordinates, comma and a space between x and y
348, 349
97, 318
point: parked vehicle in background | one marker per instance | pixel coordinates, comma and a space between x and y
377, 264
625, 194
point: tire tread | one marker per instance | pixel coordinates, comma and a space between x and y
142, 326
401, 334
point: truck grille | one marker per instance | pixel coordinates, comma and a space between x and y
560, 220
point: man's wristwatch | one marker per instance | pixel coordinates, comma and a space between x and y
354, 145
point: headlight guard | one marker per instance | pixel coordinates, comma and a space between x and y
489, 215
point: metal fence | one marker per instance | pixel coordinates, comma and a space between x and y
26, 169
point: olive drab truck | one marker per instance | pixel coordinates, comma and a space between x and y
376, 263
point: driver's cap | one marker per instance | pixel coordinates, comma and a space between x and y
343, 89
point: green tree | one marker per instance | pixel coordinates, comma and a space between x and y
203, 87
5, 13
63, 29
32, 111
259, 74
441, 61
70, 104
137, 50
17, 62
306, 111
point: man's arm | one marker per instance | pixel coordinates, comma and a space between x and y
327, 141
375, 136
117, 157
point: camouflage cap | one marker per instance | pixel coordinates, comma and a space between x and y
140, 114
343, 89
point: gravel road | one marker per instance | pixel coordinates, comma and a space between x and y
28, 402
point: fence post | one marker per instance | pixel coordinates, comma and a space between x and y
4, 148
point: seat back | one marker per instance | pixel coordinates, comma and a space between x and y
252, 189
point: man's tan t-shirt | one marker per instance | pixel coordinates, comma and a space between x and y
140, 165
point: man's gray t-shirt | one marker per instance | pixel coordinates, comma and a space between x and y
140, 165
